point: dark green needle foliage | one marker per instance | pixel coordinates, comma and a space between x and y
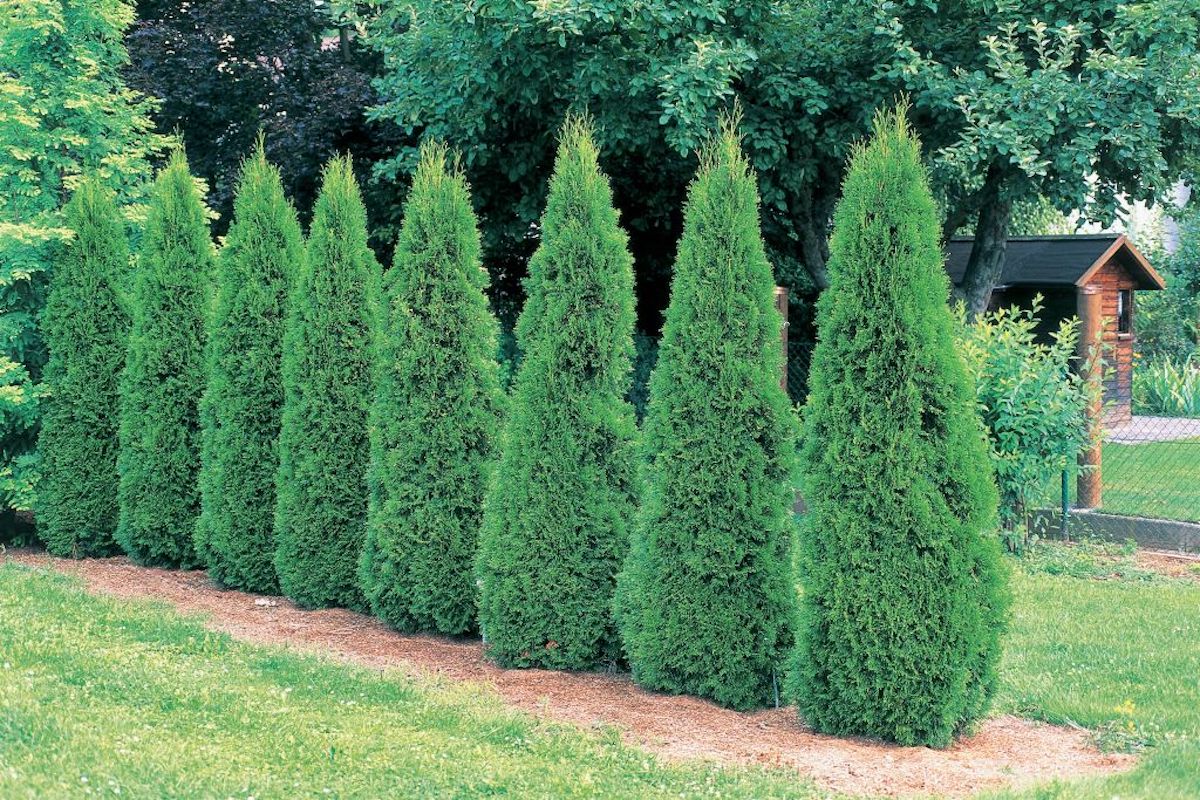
904, 592
85, 328
164, 375
322, 487
556, 524
244, 399
436, 412
707, 601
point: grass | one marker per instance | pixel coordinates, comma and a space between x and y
100, 697
98, 694
1120, 656
1154, 479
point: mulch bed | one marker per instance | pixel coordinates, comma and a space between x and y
1006, 751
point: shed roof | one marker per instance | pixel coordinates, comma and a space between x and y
1058, 260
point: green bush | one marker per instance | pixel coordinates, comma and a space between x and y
241, 407
86, 330
321, 516
904, 593
1167, 388
707, 600
555, 525
436, 412
164, 376
1033, 403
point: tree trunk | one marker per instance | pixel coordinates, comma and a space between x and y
986, 263
812, 225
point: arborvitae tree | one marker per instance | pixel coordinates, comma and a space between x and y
555, 525
164, 376
435, 415
85, 328
242, 404
904, 595
320, 521
707, 601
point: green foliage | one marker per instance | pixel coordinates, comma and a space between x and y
164, 376
1033, 403
242, 403
1078, 102
707, 600
85, 673
1168, 389
86, 330
1168, 321
321, 515
64, 112
904, 595
436, 412
555, 525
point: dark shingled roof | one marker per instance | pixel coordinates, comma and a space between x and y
1037, 260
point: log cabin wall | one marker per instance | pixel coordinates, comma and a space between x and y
1113, 278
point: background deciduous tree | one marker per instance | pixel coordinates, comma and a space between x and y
225, 69
1079, 102
64, 111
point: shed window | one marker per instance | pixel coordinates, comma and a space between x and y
1125, 311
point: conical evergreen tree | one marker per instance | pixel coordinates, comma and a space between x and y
436, 412
707, 601
903, 587
164, 375
555, 525
244, 399
86, 330
320, 521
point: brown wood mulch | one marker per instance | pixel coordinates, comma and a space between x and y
1006, 751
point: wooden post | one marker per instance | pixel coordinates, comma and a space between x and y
781, 303
1091, 342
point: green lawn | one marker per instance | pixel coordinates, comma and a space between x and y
1155, 479
98, 694
1118, 656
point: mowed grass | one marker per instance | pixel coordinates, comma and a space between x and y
1153, 479
100, 697
1121, 657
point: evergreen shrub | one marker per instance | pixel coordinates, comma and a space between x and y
320, 519
436, 413
904, 596
244, 398
556, 519
164, 375
86, 328
707, 600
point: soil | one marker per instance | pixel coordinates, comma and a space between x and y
1006, 750
1173, 565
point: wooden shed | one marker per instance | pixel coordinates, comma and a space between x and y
1076, 275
